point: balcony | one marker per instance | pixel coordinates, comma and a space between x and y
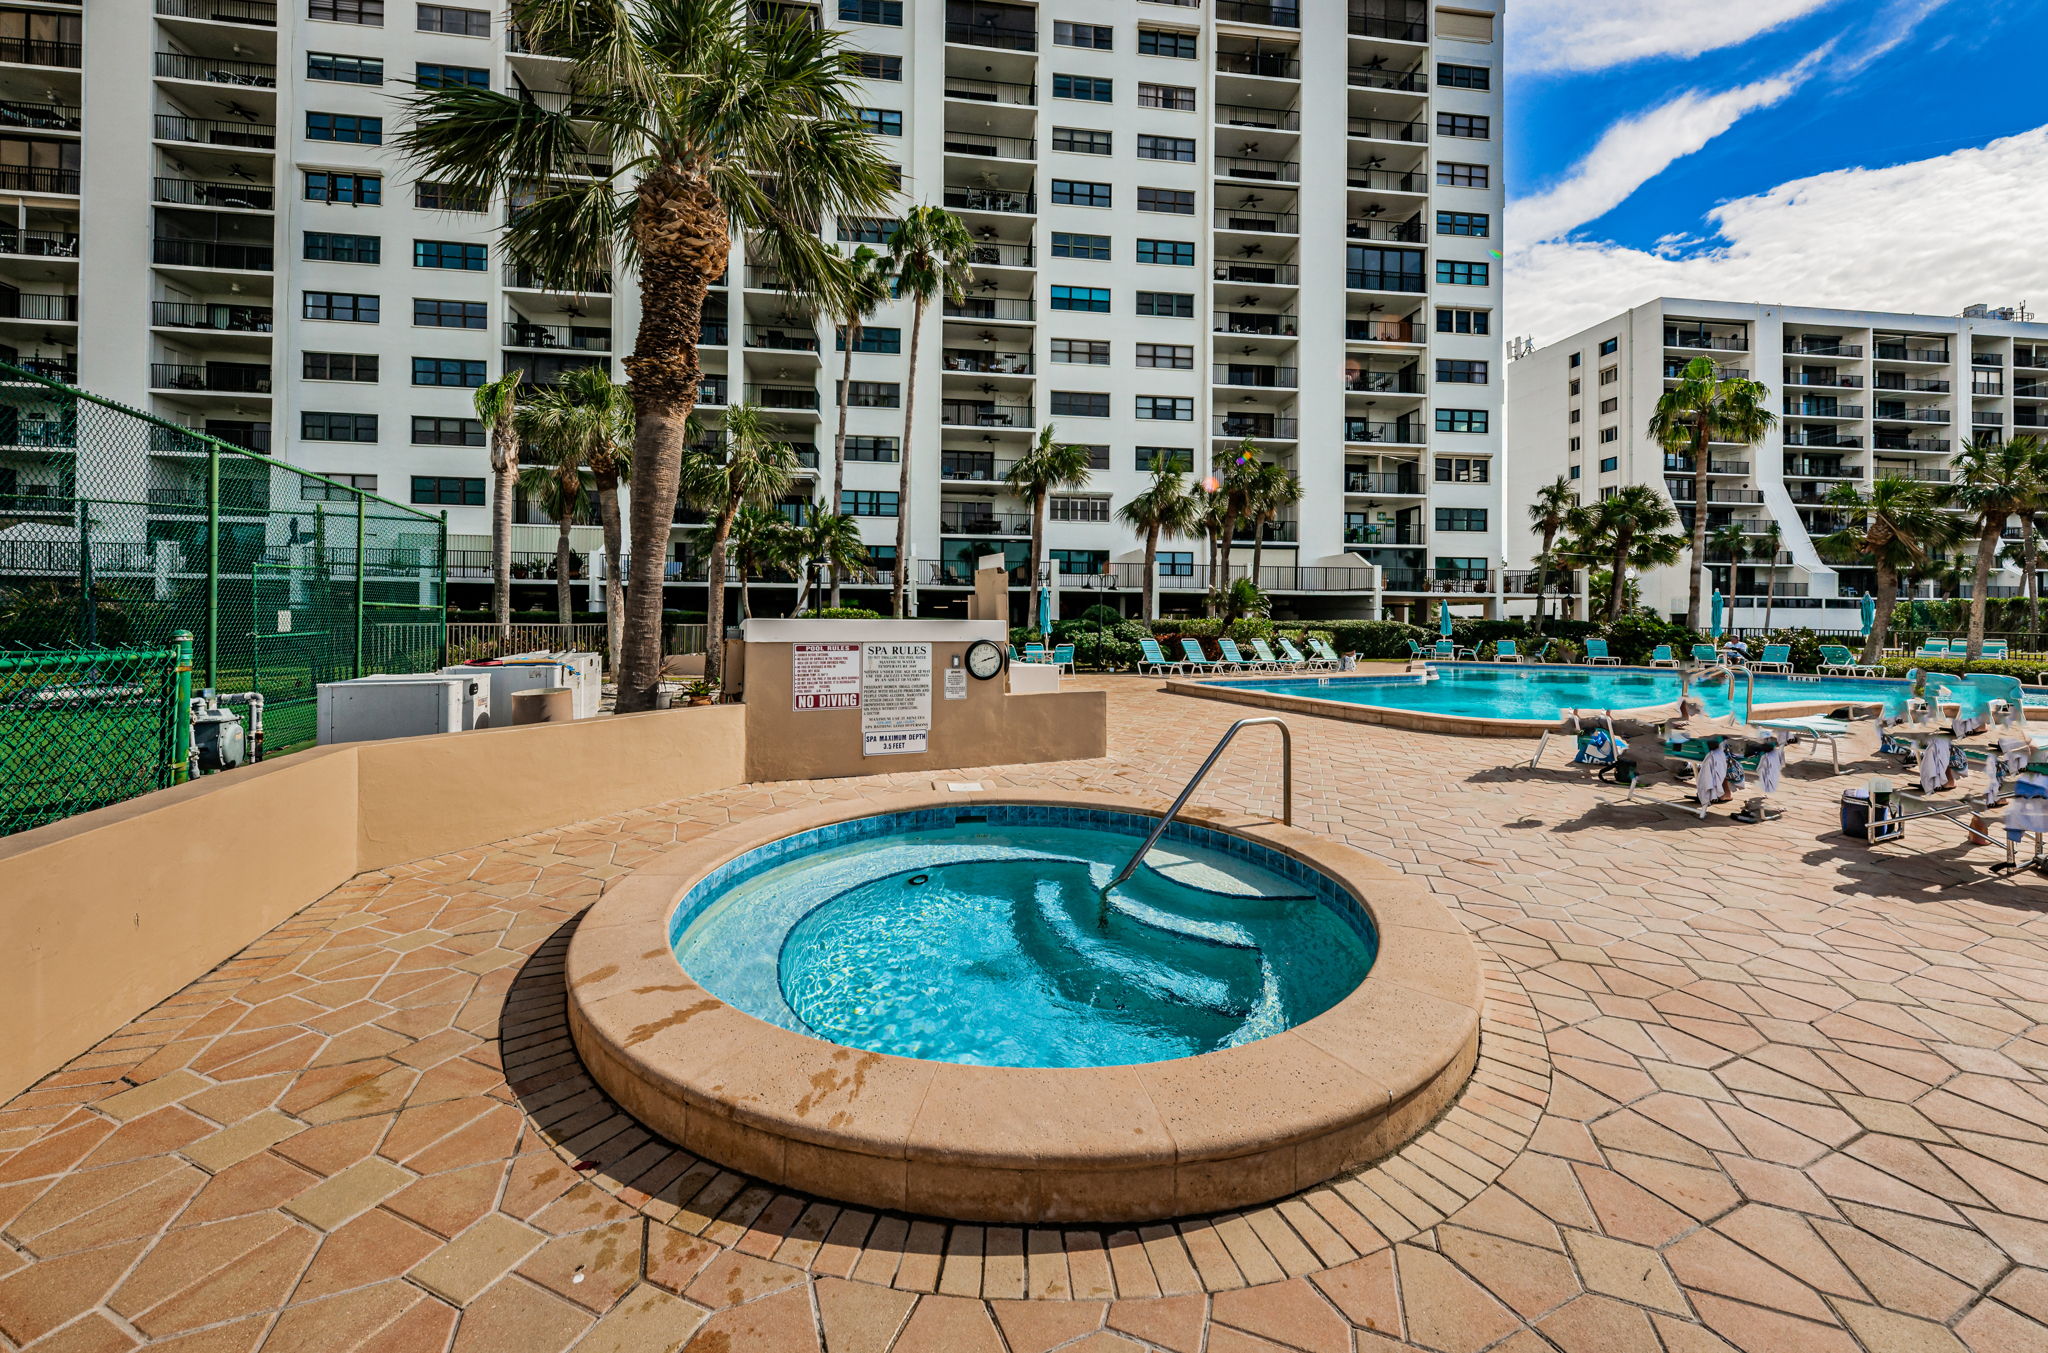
990, 147
1272, 65
1819, 467
1369, 279
1843, 440
972, 467
1259, 426
1256, 170
1399, 431
1386, 180
520, 333
713, 390
237, 378
63, 369
976, 519
1259, 274
1246, 221
1684, 491
38, 432
211, 193
1913, 472
1901, 413
987, 363
713, 333
1684, 465
1829, 380
1266, 323
1260, 377
593, 284
2029, 418
38, 52
1988, 386
38, 305
1903, 352
1276, 533
1934, 445
1822, 347
1795, 408
2033, 359
775, 339
1892, 380
991, 91
999, 255
1389, 232
260, 13
1376, 77
1019, 202
1384, 533
1711, 342
1435, 581
1676, 371
207, 131
40, 117
214, 70
223, 254
1007, 37
1014, 310
977, 413
38, 243
1254, 115
1387, 129
26, 178
1373, 21
1386, 485
1383, 382
246, 319
783, 396
1382, 331
1259, 12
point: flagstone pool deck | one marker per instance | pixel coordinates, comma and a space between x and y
1739, 1087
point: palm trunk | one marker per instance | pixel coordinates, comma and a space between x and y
896, 586
746, 594
504, 492
1770, 598
1151, 567
714, 592
1038, 560
839, 441
1699, 520
1617, 580
2031, 553
1543, 577
680, 229
1887, 597
562, 571
1980, 586
614, 545
1258, 547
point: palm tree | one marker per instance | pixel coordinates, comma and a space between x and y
750, 467
710, 123
860, 286
1703, 408
1731, 542
1273, 488
930, 257
1994, 482
1547, 518
560, 490
1047, 466
830, 540
1631, 529
1231, 496
1896, 527
1166, 508
591, 418
761, 540
497, 404
1769, 541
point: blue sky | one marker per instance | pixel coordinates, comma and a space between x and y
1887, 154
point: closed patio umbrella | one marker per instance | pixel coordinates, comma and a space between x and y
1443, 619
1869, 613
1719, 603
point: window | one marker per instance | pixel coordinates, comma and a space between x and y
447, 432
1171, 253
463, 23
1080, 141
1167, 356
1098, 456
313, 491
367, 12
346, 70
1609, 374
870, 503
449, 314
1577, 357
1179, 149
886, 12
1450, 371
1464, 321
874, 395
459, 372
1461, 274
865, 230
1575, 388
1086, 88
1166, 408
1610, 434
1463, 77
1101, 37
1610, 347
1576, 415
1609, 464
1576, 468
1166, 42
1081, 298
1463, 470
347, 127
445, 491
882, 121
448, 254
1461, 420
429, 75
1464, 124
1610, 405
875, 66
1461, 519
327, 248
1081, 351
1175, 98
1474, 223
882, 338
1065, 245
877, 449
1080, 561
338, 427
340, 305
1180, 458
340, 366
1170, 201
1079, 509
447, 197
1166, 304
1080, 404
1080, 193
360, 189
1452, 174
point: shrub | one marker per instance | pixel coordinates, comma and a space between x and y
841, 613
1375, 640
1634, 636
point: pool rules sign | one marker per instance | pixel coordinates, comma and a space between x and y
825, 676
895, 698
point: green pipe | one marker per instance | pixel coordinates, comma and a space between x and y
181, 713
359, 587
212, 565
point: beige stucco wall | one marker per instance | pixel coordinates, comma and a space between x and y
107, 913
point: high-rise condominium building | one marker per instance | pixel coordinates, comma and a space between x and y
1857, 393
1197, 224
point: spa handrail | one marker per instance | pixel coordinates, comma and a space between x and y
1286, 789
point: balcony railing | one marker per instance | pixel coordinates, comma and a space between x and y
51, 368
1382, 331
1369, 279
999, 255
1005, 37
714, 333
1257, 425
1556, 583
975, 520
991, 91
38, 243
1436, 580
1276, 325
40, 117
1262, 377
37, 305
16, 431
214, 254
1983, 386
1386, 180
983, 362
1809, 409
1247, 167
1847, 441
1272, 65
1367, 21
1009, 200
780, 340
1937, 445
209, 131
1822, 347
1900, 413
1253, 115
2034, 359
1392, 485
38, 52
1259, 11
252, 319
205, 193
713, 390
214, 70
1901, 352
1397, 232
1833, 380
984, 414
1676, 371
973, 467
1387, 129
1684, 465
579, 337
1679, 338
1400, 431
783, 396
990, 147
240, 378
593, 284
1384, 382
1821, 468
2029, 418
1259, 274
260, 12
989, 307
1277, 533
28, 178
1374, 77
1250, 222
1914, 472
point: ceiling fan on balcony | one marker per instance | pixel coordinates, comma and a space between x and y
234, 109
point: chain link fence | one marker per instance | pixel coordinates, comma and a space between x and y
85, 727
119, 529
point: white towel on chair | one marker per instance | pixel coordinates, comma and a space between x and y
1934, 762
1769, 767
1713, 776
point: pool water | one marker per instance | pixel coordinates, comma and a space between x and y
984, 940
1544, 693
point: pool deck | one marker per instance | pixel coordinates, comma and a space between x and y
1755, 1088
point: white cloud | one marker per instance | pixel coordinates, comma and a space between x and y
1930, 237
1637, 149
1560, 35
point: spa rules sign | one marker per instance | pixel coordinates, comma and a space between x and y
895, 698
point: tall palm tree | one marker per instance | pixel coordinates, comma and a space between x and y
1231, 494
1049, 465
1896, 527
1274, 488
1631, 529
561, 491
1705, 407
751, 466
829, 540
1164, 508
590, 418
930, 256
1731, 543
711, 123
1994, 481
1769, 542
497, 406
861, 285
1547, 517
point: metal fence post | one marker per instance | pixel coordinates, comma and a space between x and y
181, 712
89, 617
212, 565
362, 505
443, 616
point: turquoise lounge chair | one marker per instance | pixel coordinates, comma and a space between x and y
1267, 659
1063, 658
1597, 654
1231, 657
1776, 658
1661, 656
1995, 650
1932, 648
1196, 662
1504, 650
1705, 653
1325, 655
1544, 652
1154, 658
1034, 652
1416, 651
1836, 660
1294, 656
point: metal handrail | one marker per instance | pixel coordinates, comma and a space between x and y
1286, 790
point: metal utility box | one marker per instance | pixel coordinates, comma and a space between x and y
476, 699
513, 675
371, 709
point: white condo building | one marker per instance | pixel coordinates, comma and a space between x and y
1198, 221
1858, 394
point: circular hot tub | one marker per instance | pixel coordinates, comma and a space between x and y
934, 1004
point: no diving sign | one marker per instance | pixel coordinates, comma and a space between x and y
825, 676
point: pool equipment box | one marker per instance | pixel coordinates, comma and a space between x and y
508, 678
371, 709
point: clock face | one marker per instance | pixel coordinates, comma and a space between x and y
984, 659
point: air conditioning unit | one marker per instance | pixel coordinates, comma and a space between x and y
372, 709
509, 677
476, 695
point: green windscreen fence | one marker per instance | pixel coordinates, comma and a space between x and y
118, 529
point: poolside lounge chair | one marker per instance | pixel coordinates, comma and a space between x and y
1995, 650
1013, 654
1446, 651
1932, 648
1153, 658
1063, 658
1416, 650
1597, 654
1661, 657
1267, 658
1836, 660
1705, 653
1325, 654
1776, 658
1504, 650
1196, 662
1034, 652
1233, 658
1294, 656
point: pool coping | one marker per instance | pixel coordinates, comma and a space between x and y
1223, 1130
1456, 725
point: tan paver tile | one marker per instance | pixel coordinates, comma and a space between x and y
476, 1258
